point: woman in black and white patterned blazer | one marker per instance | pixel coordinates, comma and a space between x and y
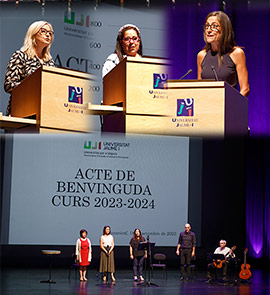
34, 53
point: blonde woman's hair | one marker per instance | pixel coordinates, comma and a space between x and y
30, 40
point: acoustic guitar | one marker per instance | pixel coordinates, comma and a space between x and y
218, 264
245, 273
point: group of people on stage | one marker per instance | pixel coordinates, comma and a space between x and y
84, 254
221, 58
185, 249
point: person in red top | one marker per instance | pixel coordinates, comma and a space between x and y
83, 253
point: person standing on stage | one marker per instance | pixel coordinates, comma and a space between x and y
186, 249
137, 255
34, 53
221, 59
128, 43
228, 253
83, 253
107, 254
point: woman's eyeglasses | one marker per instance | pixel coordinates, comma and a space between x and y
213, 27
128, 39
45, 32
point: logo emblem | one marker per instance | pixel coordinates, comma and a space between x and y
160, 81
89, 145
75, 94
185, 107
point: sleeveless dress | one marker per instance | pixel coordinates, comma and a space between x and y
226, 73
84, 252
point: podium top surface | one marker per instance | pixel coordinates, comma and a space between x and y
68, 72
51, 252
147, 59
171, 84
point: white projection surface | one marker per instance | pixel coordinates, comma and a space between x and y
61, 184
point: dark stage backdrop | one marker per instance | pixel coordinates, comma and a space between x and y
258, 200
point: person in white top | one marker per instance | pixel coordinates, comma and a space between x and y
128, 43
228, 254
107, 254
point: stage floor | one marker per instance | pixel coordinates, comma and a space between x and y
27, 282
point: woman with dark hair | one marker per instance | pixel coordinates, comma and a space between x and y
137, 255
128, 43
83, 253
221, 59
34, 53
107, 254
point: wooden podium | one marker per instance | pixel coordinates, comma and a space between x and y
58, 98
186, 107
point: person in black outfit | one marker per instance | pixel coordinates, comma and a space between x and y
137, 255
186, 250
221, 59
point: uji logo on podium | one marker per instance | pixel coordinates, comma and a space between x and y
75, 94
160, 81
185, 107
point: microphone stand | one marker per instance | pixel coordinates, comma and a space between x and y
149, 255
215, 72
187, 73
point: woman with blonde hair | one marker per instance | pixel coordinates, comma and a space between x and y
34, 53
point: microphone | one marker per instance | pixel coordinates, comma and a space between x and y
188, 72
215, 72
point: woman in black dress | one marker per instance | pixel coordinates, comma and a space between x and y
221, 59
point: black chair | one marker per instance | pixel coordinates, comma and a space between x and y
74, 265
160, 258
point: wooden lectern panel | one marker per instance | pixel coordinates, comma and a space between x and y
58, 97
57, 112
25, 100
114, 85
136, 83
218, 109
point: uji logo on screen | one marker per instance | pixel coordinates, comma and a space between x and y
185, 107
75, 94
89, 145
160, 81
